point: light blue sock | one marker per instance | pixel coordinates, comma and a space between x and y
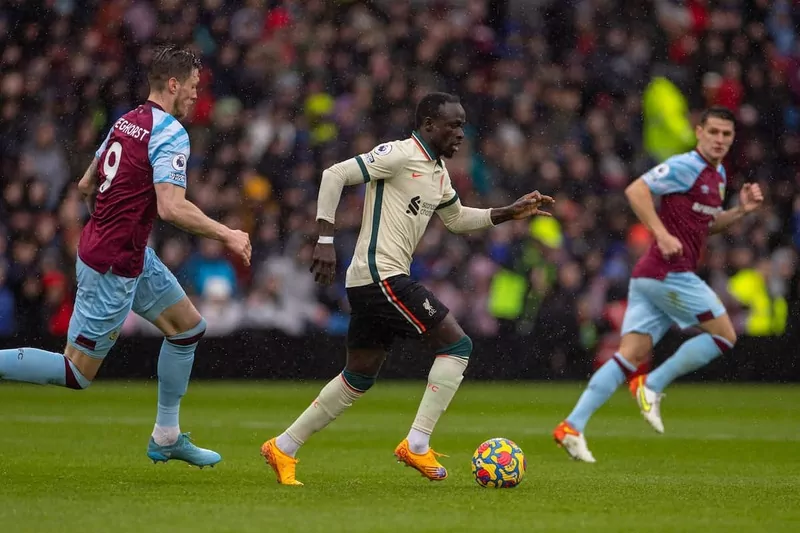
33, 365
601, 387
174, 368
693, 354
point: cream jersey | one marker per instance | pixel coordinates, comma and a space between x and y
405, 186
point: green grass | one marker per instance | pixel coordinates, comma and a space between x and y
75, 462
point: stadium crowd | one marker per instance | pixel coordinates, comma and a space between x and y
556, 100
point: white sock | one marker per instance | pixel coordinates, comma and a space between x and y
333, 399
166, 436
418, 441
287, 444
444, 378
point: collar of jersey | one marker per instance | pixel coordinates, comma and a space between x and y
706, 161
424, 148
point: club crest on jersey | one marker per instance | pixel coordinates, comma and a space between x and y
722, 190
428, 307
383, 149
704, 189
179, 162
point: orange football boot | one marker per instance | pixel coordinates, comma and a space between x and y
426, 463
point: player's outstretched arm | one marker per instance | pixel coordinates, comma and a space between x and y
88, 185
641, 200
173, 207
461, 219
750, 199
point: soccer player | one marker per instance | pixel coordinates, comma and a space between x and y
138, 172
406, 183
664, 288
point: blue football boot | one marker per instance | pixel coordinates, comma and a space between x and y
182, 450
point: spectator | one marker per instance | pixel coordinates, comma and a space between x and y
569, 100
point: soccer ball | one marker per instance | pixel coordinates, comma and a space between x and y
498, 463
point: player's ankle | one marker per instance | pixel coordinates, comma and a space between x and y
418, 442
287, 444
166, 436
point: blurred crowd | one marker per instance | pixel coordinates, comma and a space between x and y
556, 100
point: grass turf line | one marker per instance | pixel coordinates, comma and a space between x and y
75, 461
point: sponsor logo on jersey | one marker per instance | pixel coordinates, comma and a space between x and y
697, 207
369, 157
413, 206
177, 176
417, 206
383, 149
179, 162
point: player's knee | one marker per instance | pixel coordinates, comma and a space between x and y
725, 339
723, 333
74, 379
367, 362
635, 347
191, 336
462, 348
358, 381
200, 328
731, 337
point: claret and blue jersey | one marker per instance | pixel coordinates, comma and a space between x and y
692, 192
145, 146
664, 291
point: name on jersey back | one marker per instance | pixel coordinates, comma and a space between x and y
131, 129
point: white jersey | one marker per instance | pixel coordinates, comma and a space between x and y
405, 186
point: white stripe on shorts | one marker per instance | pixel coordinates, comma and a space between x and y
402, 312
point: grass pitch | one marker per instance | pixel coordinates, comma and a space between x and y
73, 461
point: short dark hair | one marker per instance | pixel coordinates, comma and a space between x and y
171, 62
717, 111
430, 106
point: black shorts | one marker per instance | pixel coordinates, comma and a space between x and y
396, 307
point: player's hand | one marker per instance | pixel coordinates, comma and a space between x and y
750, 197
323, 263
669, 245
528, 206
239, 243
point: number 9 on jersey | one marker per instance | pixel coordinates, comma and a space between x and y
113, 157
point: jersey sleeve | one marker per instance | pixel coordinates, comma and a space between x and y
672, 176
102, 148
169, 153
458, 218
385, 161
450, 196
